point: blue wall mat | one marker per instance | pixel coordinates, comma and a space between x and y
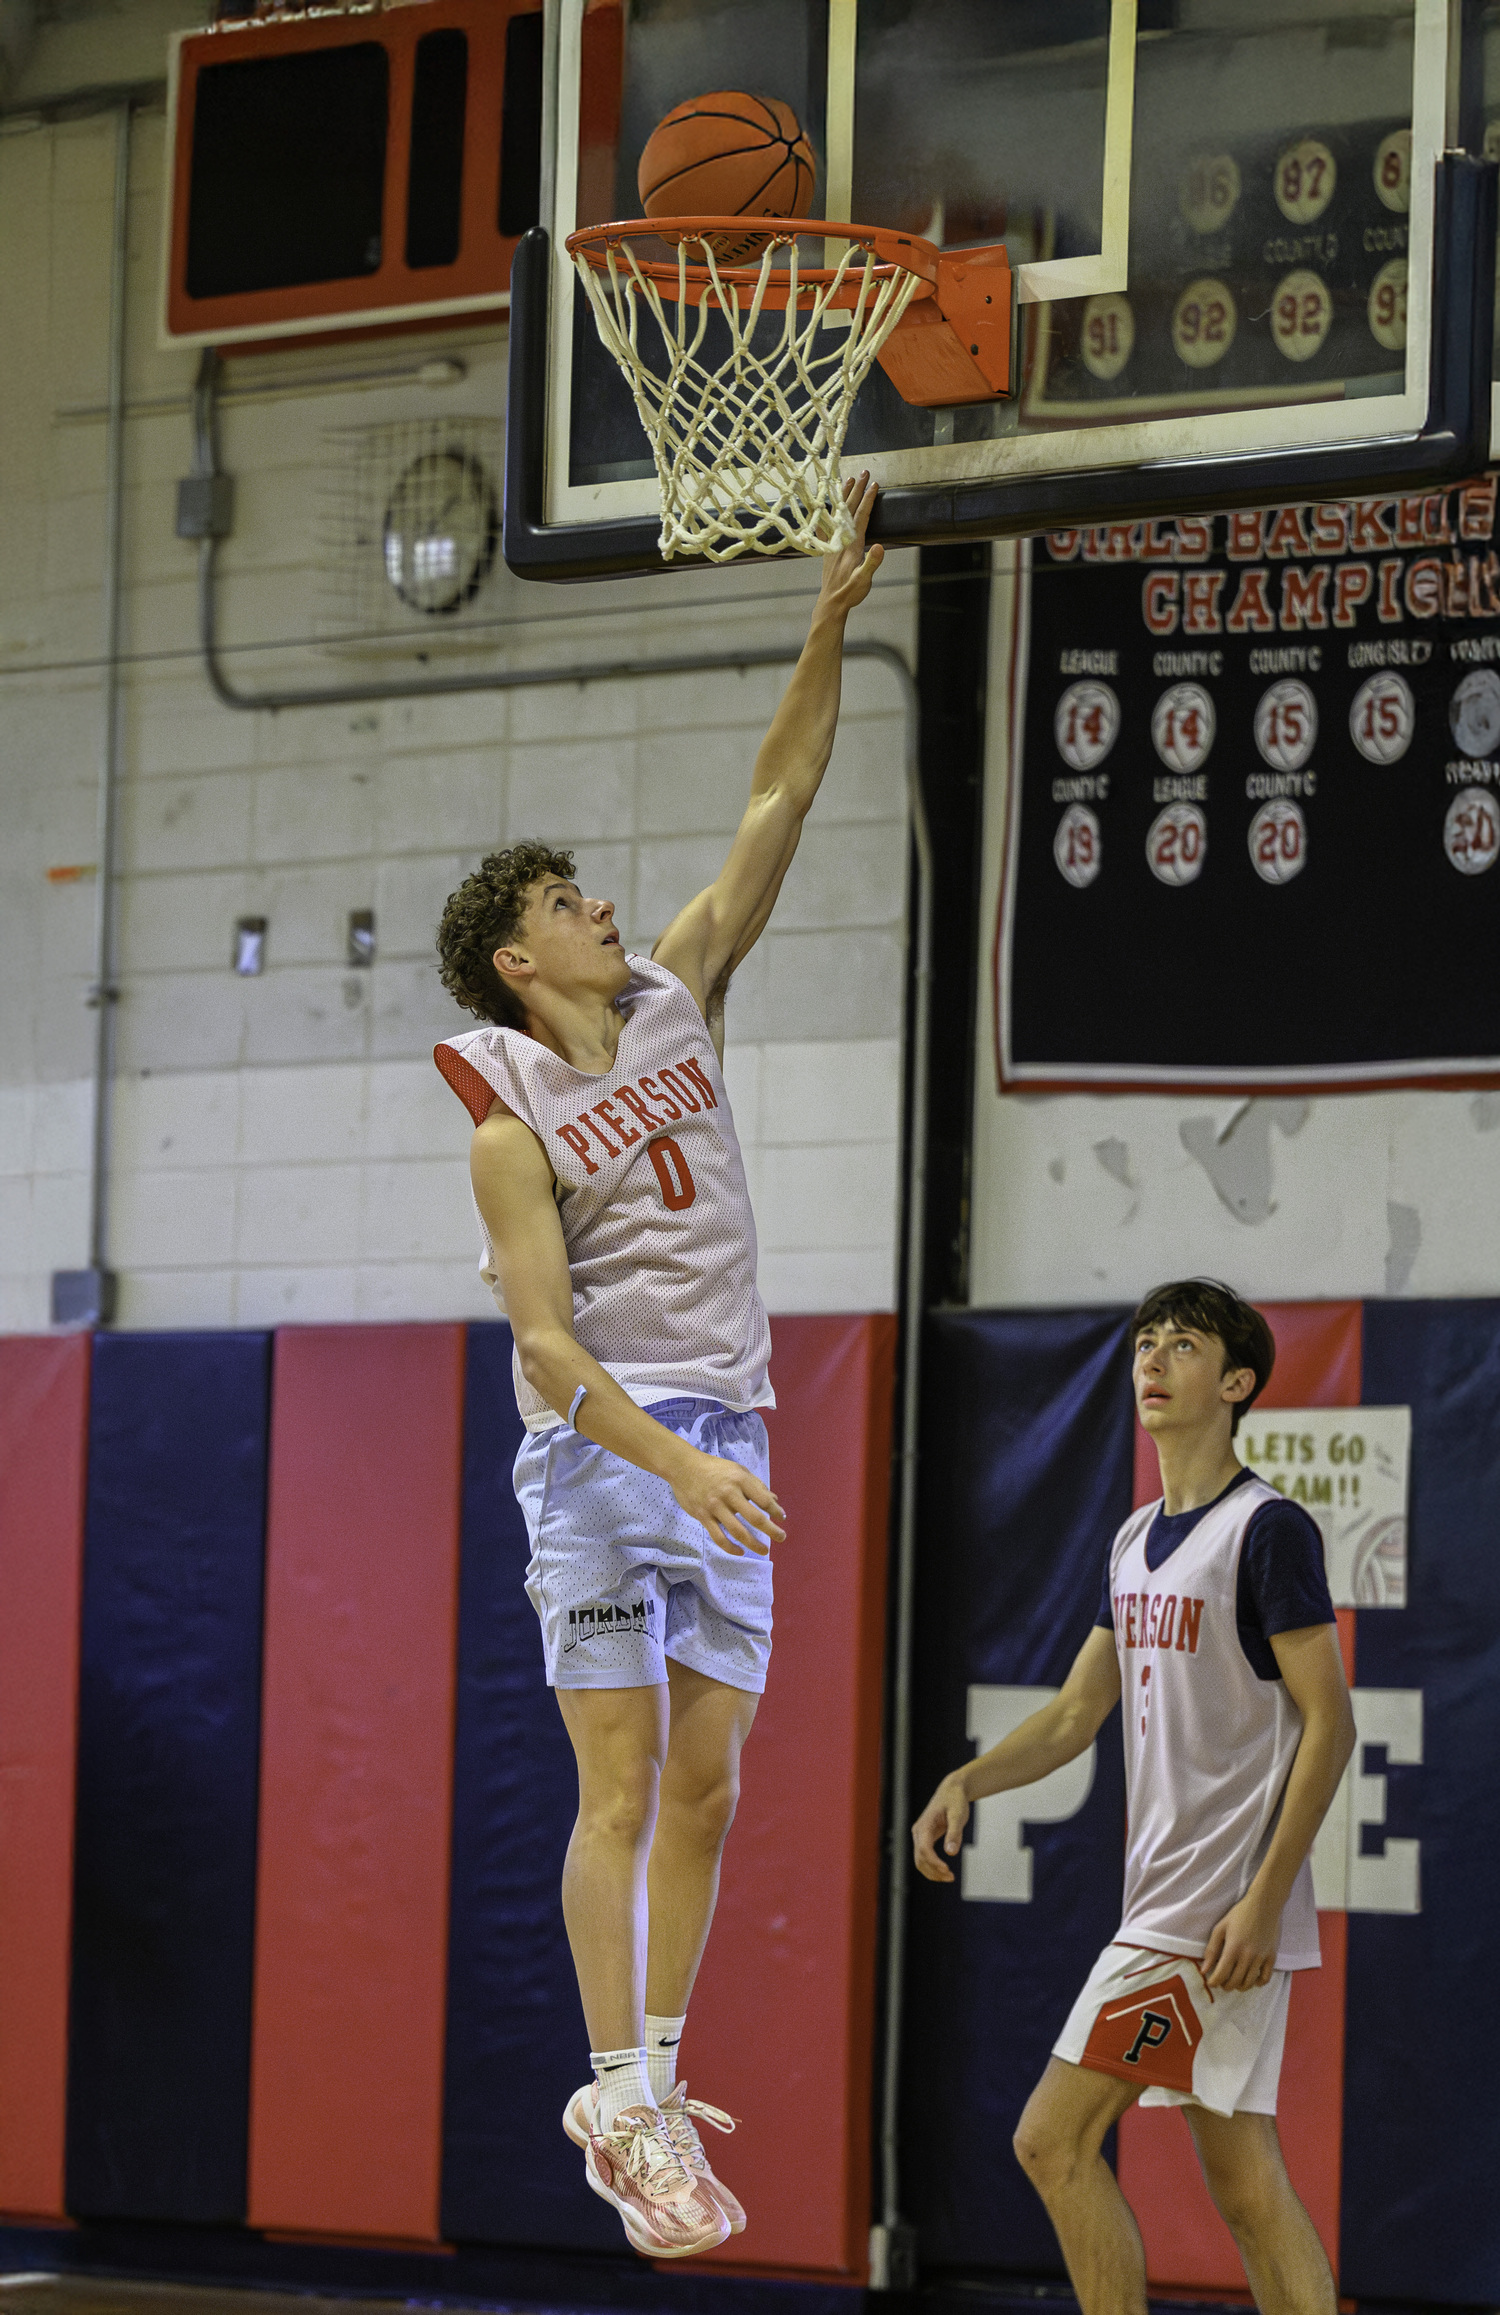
1027, 1452
517, 2048
1421, 2123
168, 1756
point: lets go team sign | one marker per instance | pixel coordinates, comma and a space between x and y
1253, 825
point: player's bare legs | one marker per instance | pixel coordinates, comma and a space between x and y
658, 1779
1058, 2142
635, 2158
699, 1789
619, 1738
1285, 2263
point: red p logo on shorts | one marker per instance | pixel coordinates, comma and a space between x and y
1149, 2037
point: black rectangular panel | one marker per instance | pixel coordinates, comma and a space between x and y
288, 174
434, 192
521, 127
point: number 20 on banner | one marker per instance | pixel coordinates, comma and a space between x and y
1278, 841
1177, 843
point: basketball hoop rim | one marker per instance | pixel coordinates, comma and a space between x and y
890, 251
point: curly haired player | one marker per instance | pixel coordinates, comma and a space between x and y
1217, 1636
620, 1243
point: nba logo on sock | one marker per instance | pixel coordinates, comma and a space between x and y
1150, 2037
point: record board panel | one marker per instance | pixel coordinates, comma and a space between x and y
1253, 819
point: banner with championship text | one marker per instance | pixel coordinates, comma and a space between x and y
1253, 817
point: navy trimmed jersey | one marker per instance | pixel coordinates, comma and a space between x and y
1282, 1584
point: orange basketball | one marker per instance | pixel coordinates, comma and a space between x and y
728, 154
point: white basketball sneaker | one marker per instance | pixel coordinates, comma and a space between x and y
680, 2117
666, 2211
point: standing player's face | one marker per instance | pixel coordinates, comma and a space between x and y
571, 942
1181, 1381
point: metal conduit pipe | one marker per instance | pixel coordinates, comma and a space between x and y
898, 1779
888, 2272
87, 1296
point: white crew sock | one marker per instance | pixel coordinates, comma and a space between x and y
662, 2038
623, 2081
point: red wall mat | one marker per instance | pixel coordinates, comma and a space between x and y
782, 2024
1319, 1351
356, 1778
44, 1387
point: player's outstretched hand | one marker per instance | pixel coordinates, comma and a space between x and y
849, 575
739, 1510
943, 1820
1241, 1953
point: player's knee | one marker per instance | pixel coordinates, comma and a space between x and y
1048, 2160
718, 1806
621, 1807
1247, 2195
709, 1807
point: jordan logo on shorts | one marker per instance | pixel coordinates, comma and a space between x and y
604, 1619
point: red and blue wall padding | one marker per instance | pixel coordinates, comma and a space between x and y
1030, 1462
283, 1800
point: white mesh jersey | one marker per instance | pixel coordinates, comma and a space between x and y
652, 1196
1208, 1745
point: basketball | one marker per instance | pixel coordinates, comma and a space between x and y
728, 154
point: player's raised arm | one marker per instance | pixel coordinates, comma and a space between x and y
513, 1187
1052, 1737
717, 928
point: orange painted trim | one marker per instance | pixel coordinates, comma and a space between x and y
44, 1391
481, 271
350, 1994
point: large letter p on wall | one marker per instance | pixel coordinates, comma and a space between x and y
997, 1863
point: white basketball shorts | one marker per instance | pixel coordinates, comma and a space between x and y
622, 1579
1153, 2018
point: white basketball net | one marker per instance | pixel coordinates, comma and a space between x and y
748, 449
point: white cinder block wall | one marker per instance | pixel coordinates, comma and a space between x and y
1083, 1198
284, 1149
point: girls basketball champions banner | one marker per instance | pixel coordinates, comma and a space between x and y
1267, 736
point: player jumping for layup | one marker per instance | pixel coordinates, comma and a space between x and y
620, 1243
1216, 1635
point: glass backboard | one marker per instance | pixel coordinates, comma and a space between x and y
1221, 216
